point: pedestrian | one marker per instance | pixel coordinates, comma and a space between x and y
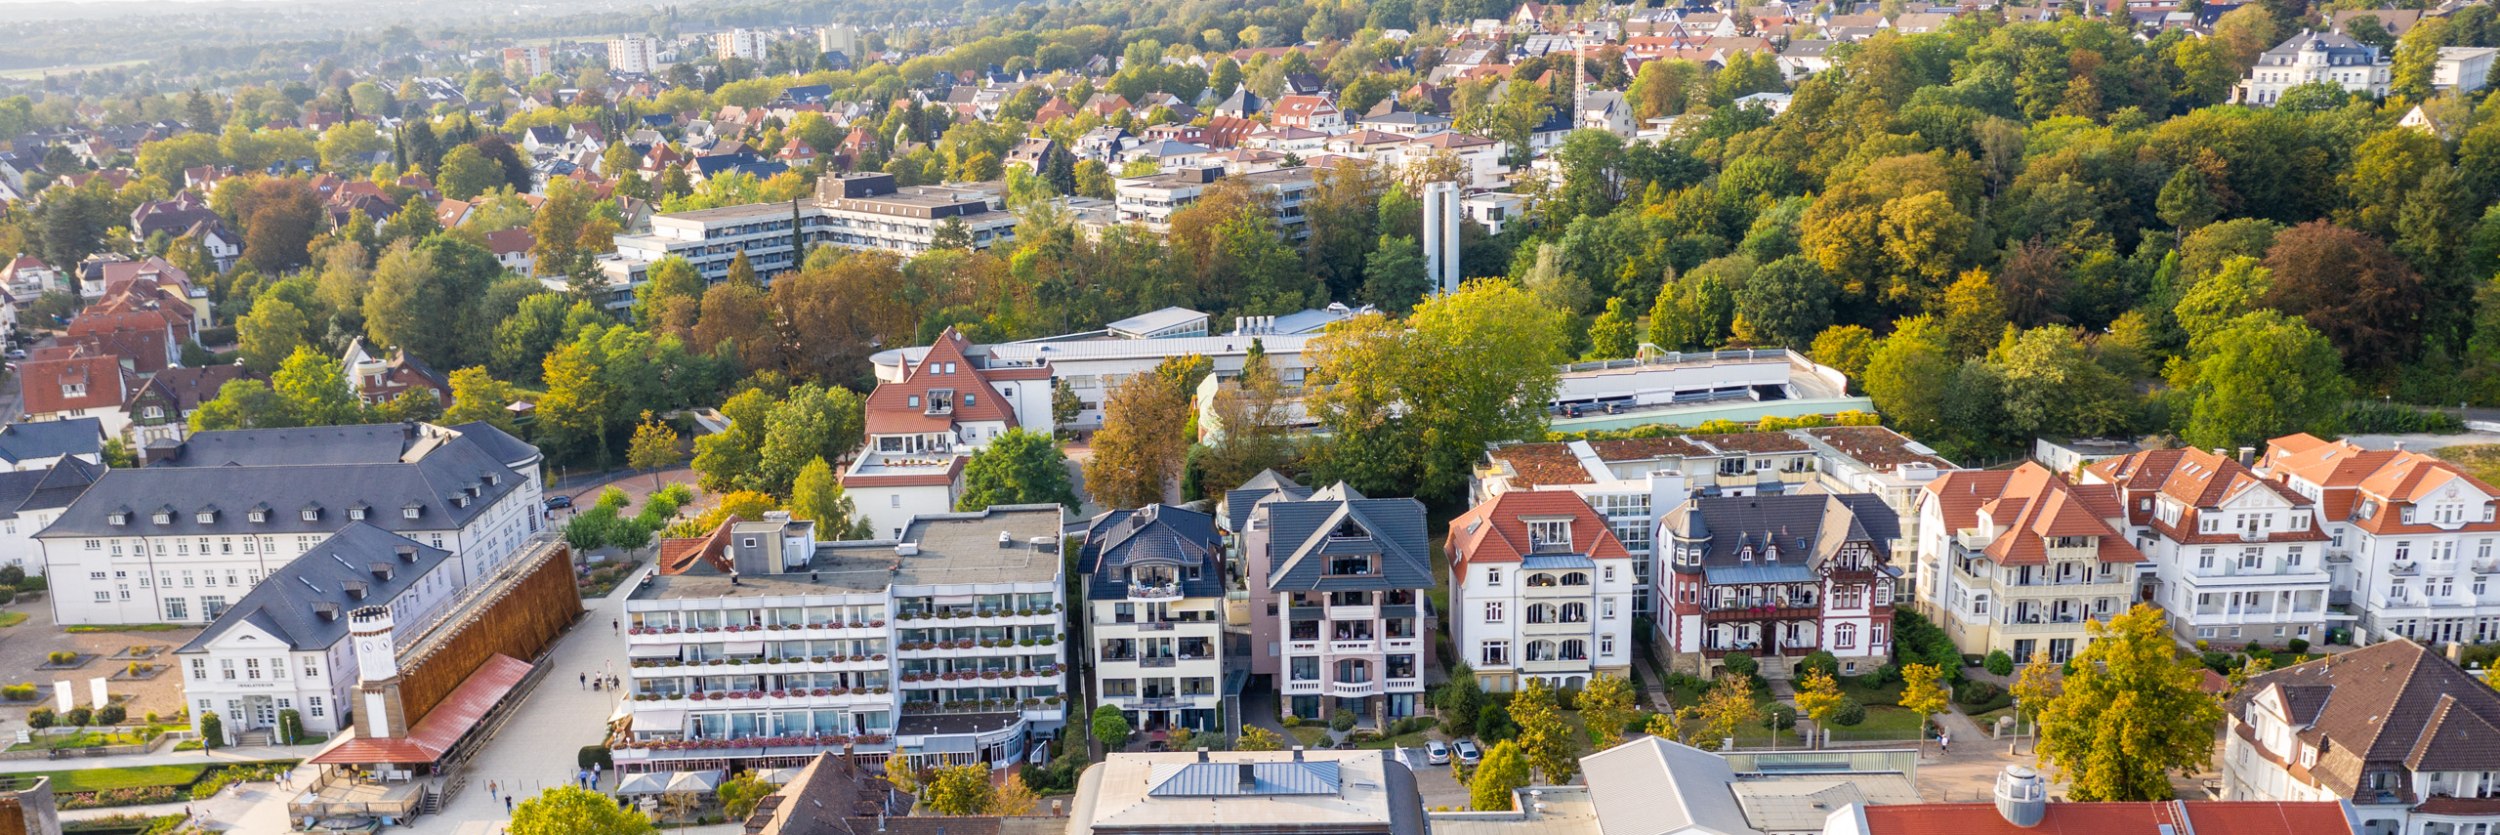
612, 626
1944, 743
507, 804
490, 792
585, 681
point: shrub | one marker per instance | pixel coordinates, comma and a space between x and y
79, 717
111, 714
1819, 661
35, 583
212, 731
2297, 646
10, 575
1293, 720
2000, 663
1976, 692
20, 692
2253, 648
593, 755
290, 726
60, 656
1850, 713
1341, 721
1780, 717
8, 594
1741, 664
40, 718
2220, 662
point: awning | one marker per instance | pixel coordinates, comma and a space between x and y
779, 776
441, 728
652, 651
659, 720
694, 781
645, 783
1554, 561
950, 745
744, 648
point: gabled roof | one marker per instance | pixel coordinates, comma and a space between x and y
1814, 525
305, 602
1151, 535
2387, 705
2031, 504
185, 388
1338, 521
891, 407
1268, 484
2163, 818
2199, 480
1497, 530
323, 469
51, 439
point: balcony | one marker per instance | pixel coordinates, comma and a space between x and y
1153, 661
1366, 612
1302, 688
1746, 613
1302, 647
829, 631
1354, 646
1353, 689
1154, 591
1163, 702
1403, 644
811, 697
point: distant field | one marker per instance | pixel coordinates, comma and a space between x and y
37, 73
2483, 460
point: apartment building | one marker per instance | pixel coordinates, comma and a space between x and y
2021, 560
866, 211
2316, 57
1247, 793
31, 499
1153, 199
284, 645
760, 646
634, 55
1154, 612
923, 427
1337, 583
745, 44
1777, 577
185, 538
528, 62
2398, 733
2235, 557
1539, 588
2409, 537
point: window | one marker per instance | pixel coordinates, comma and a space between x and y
2205, 559
251, 669
1606, 608
199, 669
1493, 577
103, 597
1497, 653
1875, 637
1493, 611
225, 666
1605, 644
177, 609
1549, 536
312, 669
1845, 636
315, 704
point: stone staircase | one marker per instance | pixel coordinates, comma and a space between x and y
1775, 668
263, 736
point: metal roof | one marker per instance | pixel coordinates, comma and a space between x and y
1244, 779
1536, 561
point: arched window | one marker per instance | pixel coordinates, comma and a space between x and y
1353, 671
1541, 650
1845, 636
1574, 649
1576, 578
1540, 580
1541, 613
1575, 613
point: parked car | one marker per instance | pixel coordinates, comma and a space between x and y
559, 502
17, 353
1468, 753
1436, 752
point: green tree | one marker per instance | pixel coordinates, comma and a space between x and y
1974, 314
271, 332
1110, 727
654, 448
2130, 712
2417, 58
1819, 698
1845, 348
1908, 374
1018, 467
1729, 705
241, 404
2187, 202
2035, 687
1606, 705
312, 390
1613, 335
2262, 376
1543, 736
1786, 302
1498, 779
1393, 274
465, 173
1469, 368
2052, 385
817, 496
477, 396
2217, 300
739, 796
571, 810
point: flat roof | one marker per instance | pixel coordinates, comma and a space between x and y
1370, 791
1556, 810
949, 549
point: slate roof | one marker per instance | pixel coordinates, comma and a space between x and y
1240, 501
1814, 524
1304, 534
51, 439
305, 602
2381, 706
45, 489
326, 469
1225, 779
1151, 535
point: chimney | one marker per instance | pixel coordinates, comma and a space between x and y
2456, 652
1202, 753
1297, 753
2021, 797
1249, 775
2248, 456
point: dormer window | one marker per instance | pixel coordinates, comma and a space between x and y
207, 517
117, 519
258, 516
163, 518
409, 512
356, 514
941, 401
312, 514
1551, 536
73, 389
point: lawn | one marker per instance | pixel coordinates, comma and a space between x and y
85, 739
123, 627
1310, 736
1883, 722
2483, 460
131, 777
1413, 740
8, 619
1857, 688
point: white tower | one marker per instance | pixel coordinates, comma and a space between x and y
377, 673
1441, 213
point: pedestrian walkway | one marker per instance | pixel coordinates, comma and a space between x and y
164, 756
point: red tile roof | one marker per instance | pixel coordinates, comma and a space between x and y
441, 728
2031, 505
2236, 818
891, 410
42, 377
2200, 480
1497, 530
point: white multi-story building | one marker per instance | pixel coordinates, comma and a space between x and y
284, 645
1540, 588
1154, 610
2312, 57
2410, 538
843, 38
2464, 69
634, 54
1151, 200
2021, 560
759, 645
852, 211
183, 539
2235, 558
923, 428
743, 44
31, 499
2394, 730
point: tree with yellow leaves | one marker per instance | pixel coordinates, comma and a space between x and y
1819, 698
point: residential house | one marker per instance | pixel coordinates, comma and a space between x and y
37, 446
939, 645
31, 499
1308, 112
1338, 586
1777, 577
2022, 805
923, 427
1349, 792
2408, 537
2021, 561
159, 409
2399, 734
222, 511
512, 249
380, 377
1154, 611
1541, 589
75, 381
2236, 558
2311, 57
